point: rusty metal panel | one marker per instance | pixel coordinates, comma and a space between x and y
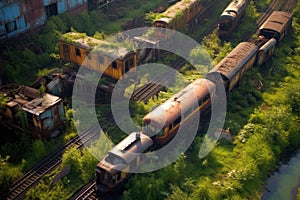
18, 16
34, 13
10, 11
47, 121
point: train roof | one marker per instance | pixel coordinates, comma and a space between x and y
176, 10
234, 6
277, 21
126, 151
83, 41
235, 60
179, 103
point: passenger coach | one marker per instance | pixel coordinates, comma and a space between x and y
105, 57
177, 16
164, 121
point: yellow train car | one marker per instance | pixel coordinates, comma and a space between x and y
105, 57
176, 16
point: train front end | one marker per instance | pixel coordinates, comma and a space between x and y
120, 162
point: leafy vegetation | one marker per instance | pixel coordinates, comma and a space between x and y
77, 168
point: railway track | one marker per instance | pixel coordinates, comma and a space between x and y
87, 192
144, 93
289, 5
18, 188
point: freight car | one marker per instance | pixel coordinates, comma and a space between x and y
277, 25
231, 17
163, 122
182, 13
114, 169
235, 64
107, 58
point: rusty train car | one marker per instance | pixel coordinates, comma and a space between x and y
230, 17
235, 64
177, 110
114, 169
162, 123
100, 56
184, 12
277, 25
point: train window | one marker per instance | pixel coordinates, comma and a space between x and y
177, 121
200, 102
127, 66
205, 98
118, 176
11, 26
51, 10
131, 62
114, 65
77, 51
170, 127
159, 133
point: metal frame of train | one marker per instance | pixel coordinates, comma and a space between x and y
231, 69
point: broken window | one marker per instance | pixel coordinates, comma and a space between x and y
11, 26
51, 10
77, 51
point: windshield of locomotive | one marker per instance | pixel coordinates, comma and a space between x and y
151, 130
